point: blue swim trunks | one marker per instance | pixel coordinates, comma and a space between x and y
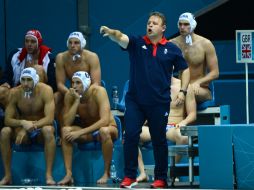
34, 133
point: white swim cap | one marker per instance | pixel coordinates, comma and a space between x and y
30, 72
79, 36
84, 77
191, 19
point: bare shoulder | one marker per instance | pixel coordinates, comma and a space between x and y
176, 41
60, 57
206, 43
89, 55
97, 90
45, 89
14, 93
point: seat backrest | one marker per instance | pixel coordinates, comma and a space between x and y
121, 104
119, 128
208, 103
103, 84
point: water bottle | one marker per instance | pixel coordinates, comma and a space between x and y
115, 97
29, 181
113, 173
113, 170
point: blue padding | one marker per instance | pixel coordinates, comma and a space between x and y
200, 106
34, 146
149, 145
186, 164
208, 103
121, 104
95, 145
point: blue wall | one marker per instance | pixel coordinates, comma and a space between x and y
226, 52
55, 20
130, 18
60, 17
233, 91
2, 33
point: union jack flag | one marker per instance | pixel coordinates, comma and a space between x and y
246, 51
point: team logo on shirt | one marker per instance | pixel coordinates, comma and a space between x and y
166, 114
165, 51
144, 47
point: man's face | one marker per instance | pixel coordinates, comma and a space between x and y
74, 46
31, 45
77, 85
184, 27
27, 83
154, 26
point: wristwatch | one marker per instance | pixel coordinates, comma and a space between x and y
184, 92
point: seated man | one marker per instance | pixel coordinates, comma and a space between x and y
33, 54
29, 116
91, 103
200, 55
181, 115
76, 58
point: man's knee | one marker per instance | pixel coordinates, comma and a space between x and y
64, 130
48, 132
104, 133
6, 133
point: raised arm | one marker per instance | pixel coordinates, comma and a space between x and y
115, 35
71, 103
49, 107
60, 74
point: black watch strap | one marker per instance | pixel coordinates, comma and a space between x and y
184, 92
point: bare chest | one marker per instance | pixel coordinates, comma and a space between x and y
30, 107
71, 68
194, 55
88, 112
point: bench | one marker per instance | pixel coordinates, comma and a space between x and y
216, 115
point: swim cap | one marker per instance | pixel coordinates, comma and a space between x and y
84, 77
30, 72
79, 36
189, 18
36, 35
